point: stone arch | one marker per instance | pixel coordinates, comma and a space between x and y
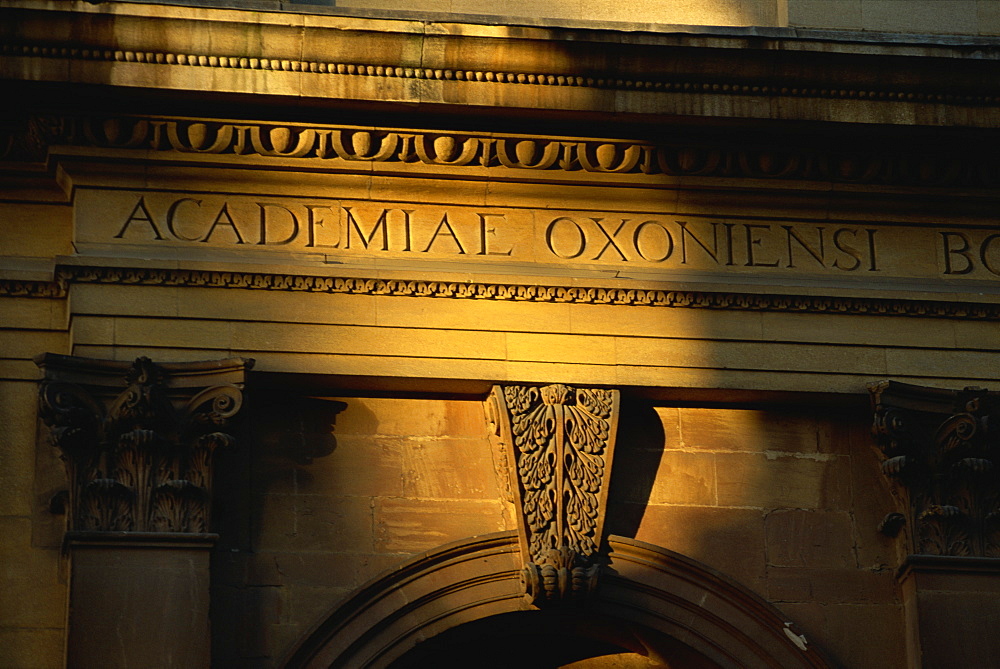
695, 612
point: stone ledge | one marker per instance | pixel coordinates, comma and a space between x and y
185, 540
619, 293
845, 36
948, 564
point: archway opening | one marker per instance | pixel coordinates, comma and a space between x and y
552, 639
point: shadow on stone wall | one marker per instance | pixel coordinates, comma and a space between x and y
282, 433
785, 498
638, 450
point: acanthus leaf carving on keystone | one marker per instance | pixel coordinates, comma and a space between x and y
139, 460
558, 441
942, 446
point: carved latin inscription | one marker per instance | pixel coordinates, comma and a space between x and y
139, 460
350, 230
559, 442
943, 447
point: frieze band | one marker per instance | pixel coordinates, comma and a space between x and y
57, 289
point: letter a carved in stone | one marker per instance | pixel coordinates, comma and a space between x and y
943, 446
139, 459
559, 442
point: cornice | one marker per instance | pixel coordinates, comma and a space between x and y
643, 71
731, 86
686, 299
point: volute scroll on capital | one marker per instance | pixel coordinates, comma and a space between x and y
139, 459
943, 447
558, 442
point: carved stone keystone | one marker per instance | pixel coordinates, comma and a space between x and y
558, 442
943, 446
139, 459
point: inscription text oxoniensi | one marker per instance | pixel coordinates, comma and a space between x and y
670, 240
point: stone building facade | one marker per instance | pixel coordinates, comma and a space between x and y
357, 337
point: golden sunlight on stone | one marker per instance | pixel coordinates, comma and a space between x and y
676, 12
594, 335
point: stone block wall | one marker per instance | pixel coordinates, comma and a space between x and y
694, 12
405, 476
32, 574
784, 500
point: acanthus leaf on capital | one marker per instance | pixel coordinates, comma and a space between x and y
138, 460
939, 445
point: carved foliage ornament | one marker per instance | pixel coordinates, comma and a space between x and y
559, 443
141, 460
499, 291
943, 447
680, 156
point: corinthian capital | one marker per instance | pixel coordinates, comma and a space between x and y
943, 447
138, 439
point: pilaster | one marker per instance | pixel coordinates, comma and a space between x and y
941, 447
138, 442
